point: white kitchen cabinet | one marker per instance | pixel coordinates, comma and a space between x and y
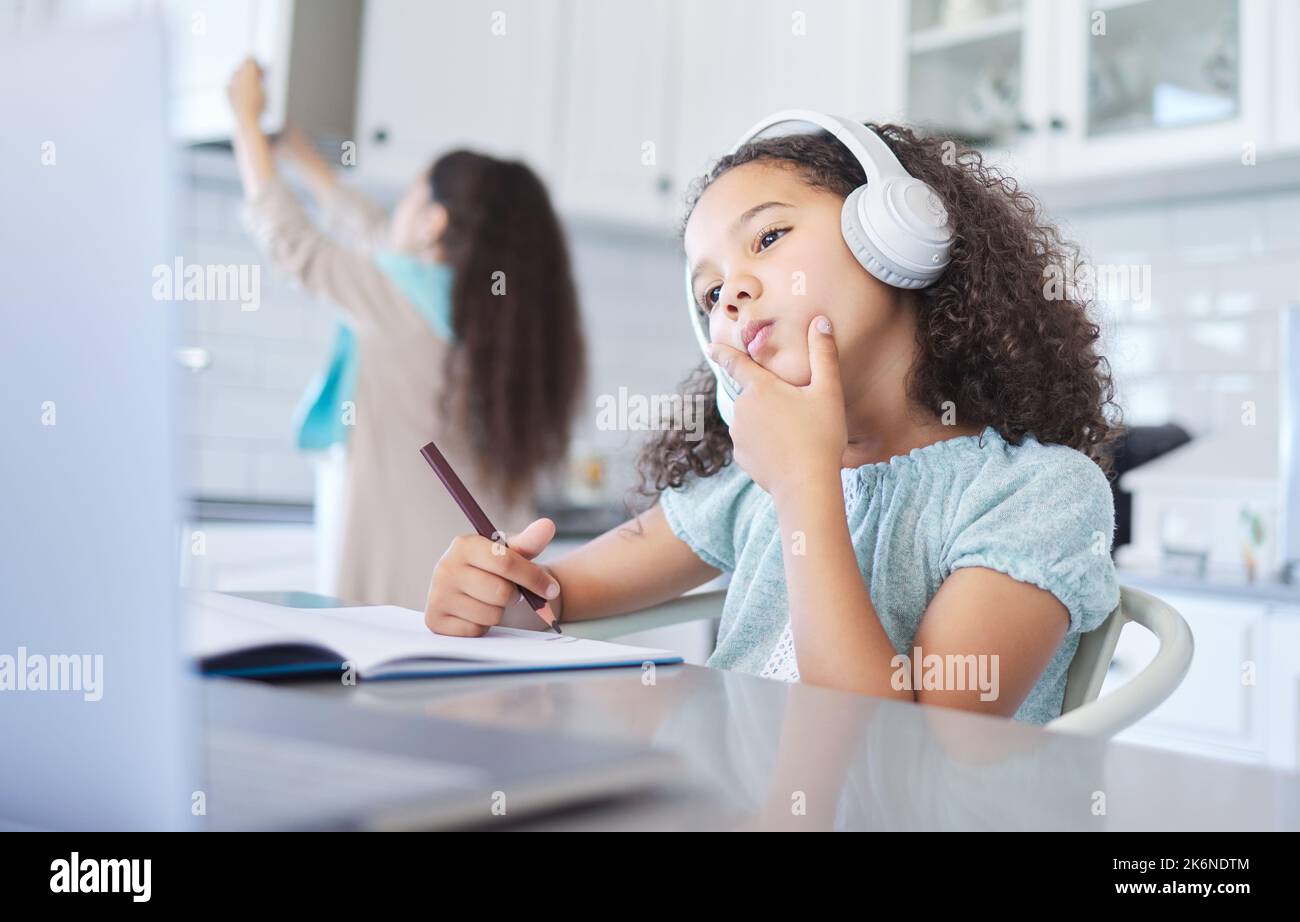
1056, 91
741, 60
1216, 711
307, 51
1160, 83
1280, 677
207, 42
482, 74
620, 78
37, 15
618, 106
1286, 62
1107, 87
579, 90
976, 71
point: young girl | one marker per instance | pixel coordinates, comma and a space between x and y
449, 307
922, 473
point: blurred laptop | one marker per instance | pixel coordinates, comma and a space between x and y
104, 725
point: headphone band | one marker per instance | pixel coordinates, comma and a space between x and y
877, 160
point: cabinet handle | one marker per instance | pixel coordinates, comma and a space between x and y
1057, 123
380, 135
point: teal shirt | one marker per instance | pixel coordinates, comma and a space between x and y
1041, 513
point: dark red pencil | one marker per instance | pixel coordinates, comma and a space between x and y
474, 512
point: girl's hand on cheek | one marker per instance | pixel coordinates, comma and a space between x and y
786, 435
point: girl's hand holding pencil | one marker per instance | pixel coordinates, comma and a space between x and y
481, 574
475, 580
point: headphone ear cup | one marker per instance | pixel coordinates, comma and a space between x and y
863, 247
862, 242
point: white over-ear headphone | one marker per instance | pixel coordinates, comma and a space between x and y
895, 225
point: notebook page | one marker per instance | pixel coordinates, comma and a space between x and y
220, 624
372, 635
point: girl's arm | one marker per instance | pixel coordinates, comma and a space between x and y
1011, 628
838, 638
1015, 627
627, 569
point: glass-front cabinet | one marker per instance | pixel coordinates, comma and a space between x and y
971, 73
1072, 88
1159, 82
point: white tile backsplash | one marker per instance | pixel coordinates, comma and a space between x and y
1146, 399
1137, 350
1220, 270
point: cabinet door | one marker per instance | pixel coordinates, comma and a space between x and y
1157, 83
619, 71
1286, 39
1280, 681
207, 42
743, 59
981, 71
436, 76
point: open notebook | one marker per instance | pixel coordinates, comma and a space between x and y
233, 636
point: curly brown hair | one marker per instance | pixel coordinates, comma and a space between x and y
989, 339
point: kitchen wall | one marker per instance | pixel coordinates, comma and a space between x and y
1219, 269
240, 405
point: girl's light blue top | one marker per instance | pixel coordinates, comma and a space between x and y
1041, 513
318, 418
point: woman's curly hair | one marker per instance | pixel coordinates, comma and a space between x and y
989, 338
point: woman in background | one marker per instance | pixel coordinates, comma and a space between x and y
460, 326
